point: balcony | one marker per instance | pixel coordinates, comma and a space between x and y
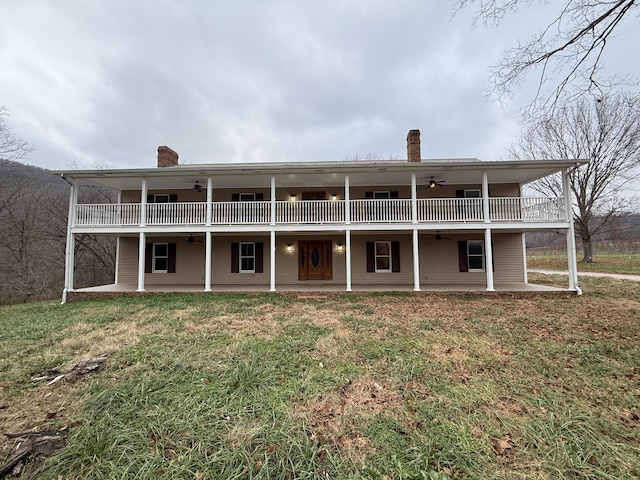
319, 212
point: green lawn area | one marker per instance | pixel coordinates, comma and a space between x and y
607, 262
362, 386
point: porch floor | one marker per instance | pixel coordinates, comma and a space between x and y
500, 287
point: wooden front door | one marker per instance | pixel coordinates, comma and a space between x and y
315, 260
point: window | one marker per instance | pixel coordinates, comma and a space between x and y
383, 256
382, 195
247, 257
475, 255
160, 258
472, 193
161, 198
247, 197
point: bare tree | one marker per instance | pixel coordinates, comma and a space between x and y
570, 47
608, 133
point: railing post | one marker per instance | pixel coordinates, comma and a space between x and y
347, 201
143, 203
414, 199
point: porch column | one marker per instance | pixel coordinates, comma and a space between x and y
488, 254
207, 264
414, 199
141, 262
416, 262
571, 238
143, 203
524, 257
117, 265
347, 234
69, 260
347, 203
485, 197
209, 200
272, 258
273, 200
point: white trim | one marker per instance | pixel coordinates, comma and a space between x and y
207, 264
524, 257
272, 261
348, 258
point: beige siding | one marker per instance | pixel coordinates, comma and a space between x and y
439, 260
359, 272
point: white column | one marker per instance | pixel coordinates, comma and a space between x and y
70, 246
209, 200
272, 258
348, 258
273, 200
143, 203
141, 262
414, 199
524, 257
571, 238
416, 262
485, 197
347, 201
207, 264
488, 256
117, 265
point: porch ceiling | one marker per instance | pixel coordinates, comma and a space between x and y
325, 174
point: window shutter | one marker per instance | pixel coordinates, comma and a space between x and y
259, 196
173, 197
395, 256
462, 256
171, 267
148, 257
459, 193
371, 258
150, 198
235, 257
259, 268
368, 194
235, 197
393, 194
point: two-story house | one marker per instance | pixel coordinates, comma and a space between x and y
347, 225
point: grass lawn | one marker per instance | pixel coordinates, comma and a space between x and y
607, 262
363, 386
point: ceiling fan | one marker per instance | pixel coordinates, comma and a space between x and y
433, 183
191, 239
437, 237
197, 187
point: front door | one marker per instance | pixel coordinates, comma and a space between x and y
315, 260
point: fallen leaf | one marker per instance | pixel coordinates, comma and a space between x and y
501, 445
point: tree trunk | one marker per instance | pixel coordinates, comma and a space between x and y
587, 250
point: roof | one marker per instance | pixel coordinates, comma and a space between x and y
377, 172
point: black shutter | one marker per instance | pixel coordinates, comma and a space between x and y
371, 257
235, 257
173, 197
462, 256
393, 194
459, 193
259, 197
235, 197
368, 194
148, 257
171, 267
259, 268
395, 256
150, 199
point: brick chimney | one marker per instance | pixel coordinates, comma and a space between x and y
413, 146
167, 157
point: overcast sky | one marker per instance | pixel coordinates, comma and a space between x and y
105, 82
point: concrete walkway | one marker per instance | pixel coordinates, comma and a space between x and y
617, 276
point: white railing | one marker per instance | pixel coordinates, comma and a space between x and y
380, 211
438, 210
450, 210
238, 213
183, 213
310, 211
107, 214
